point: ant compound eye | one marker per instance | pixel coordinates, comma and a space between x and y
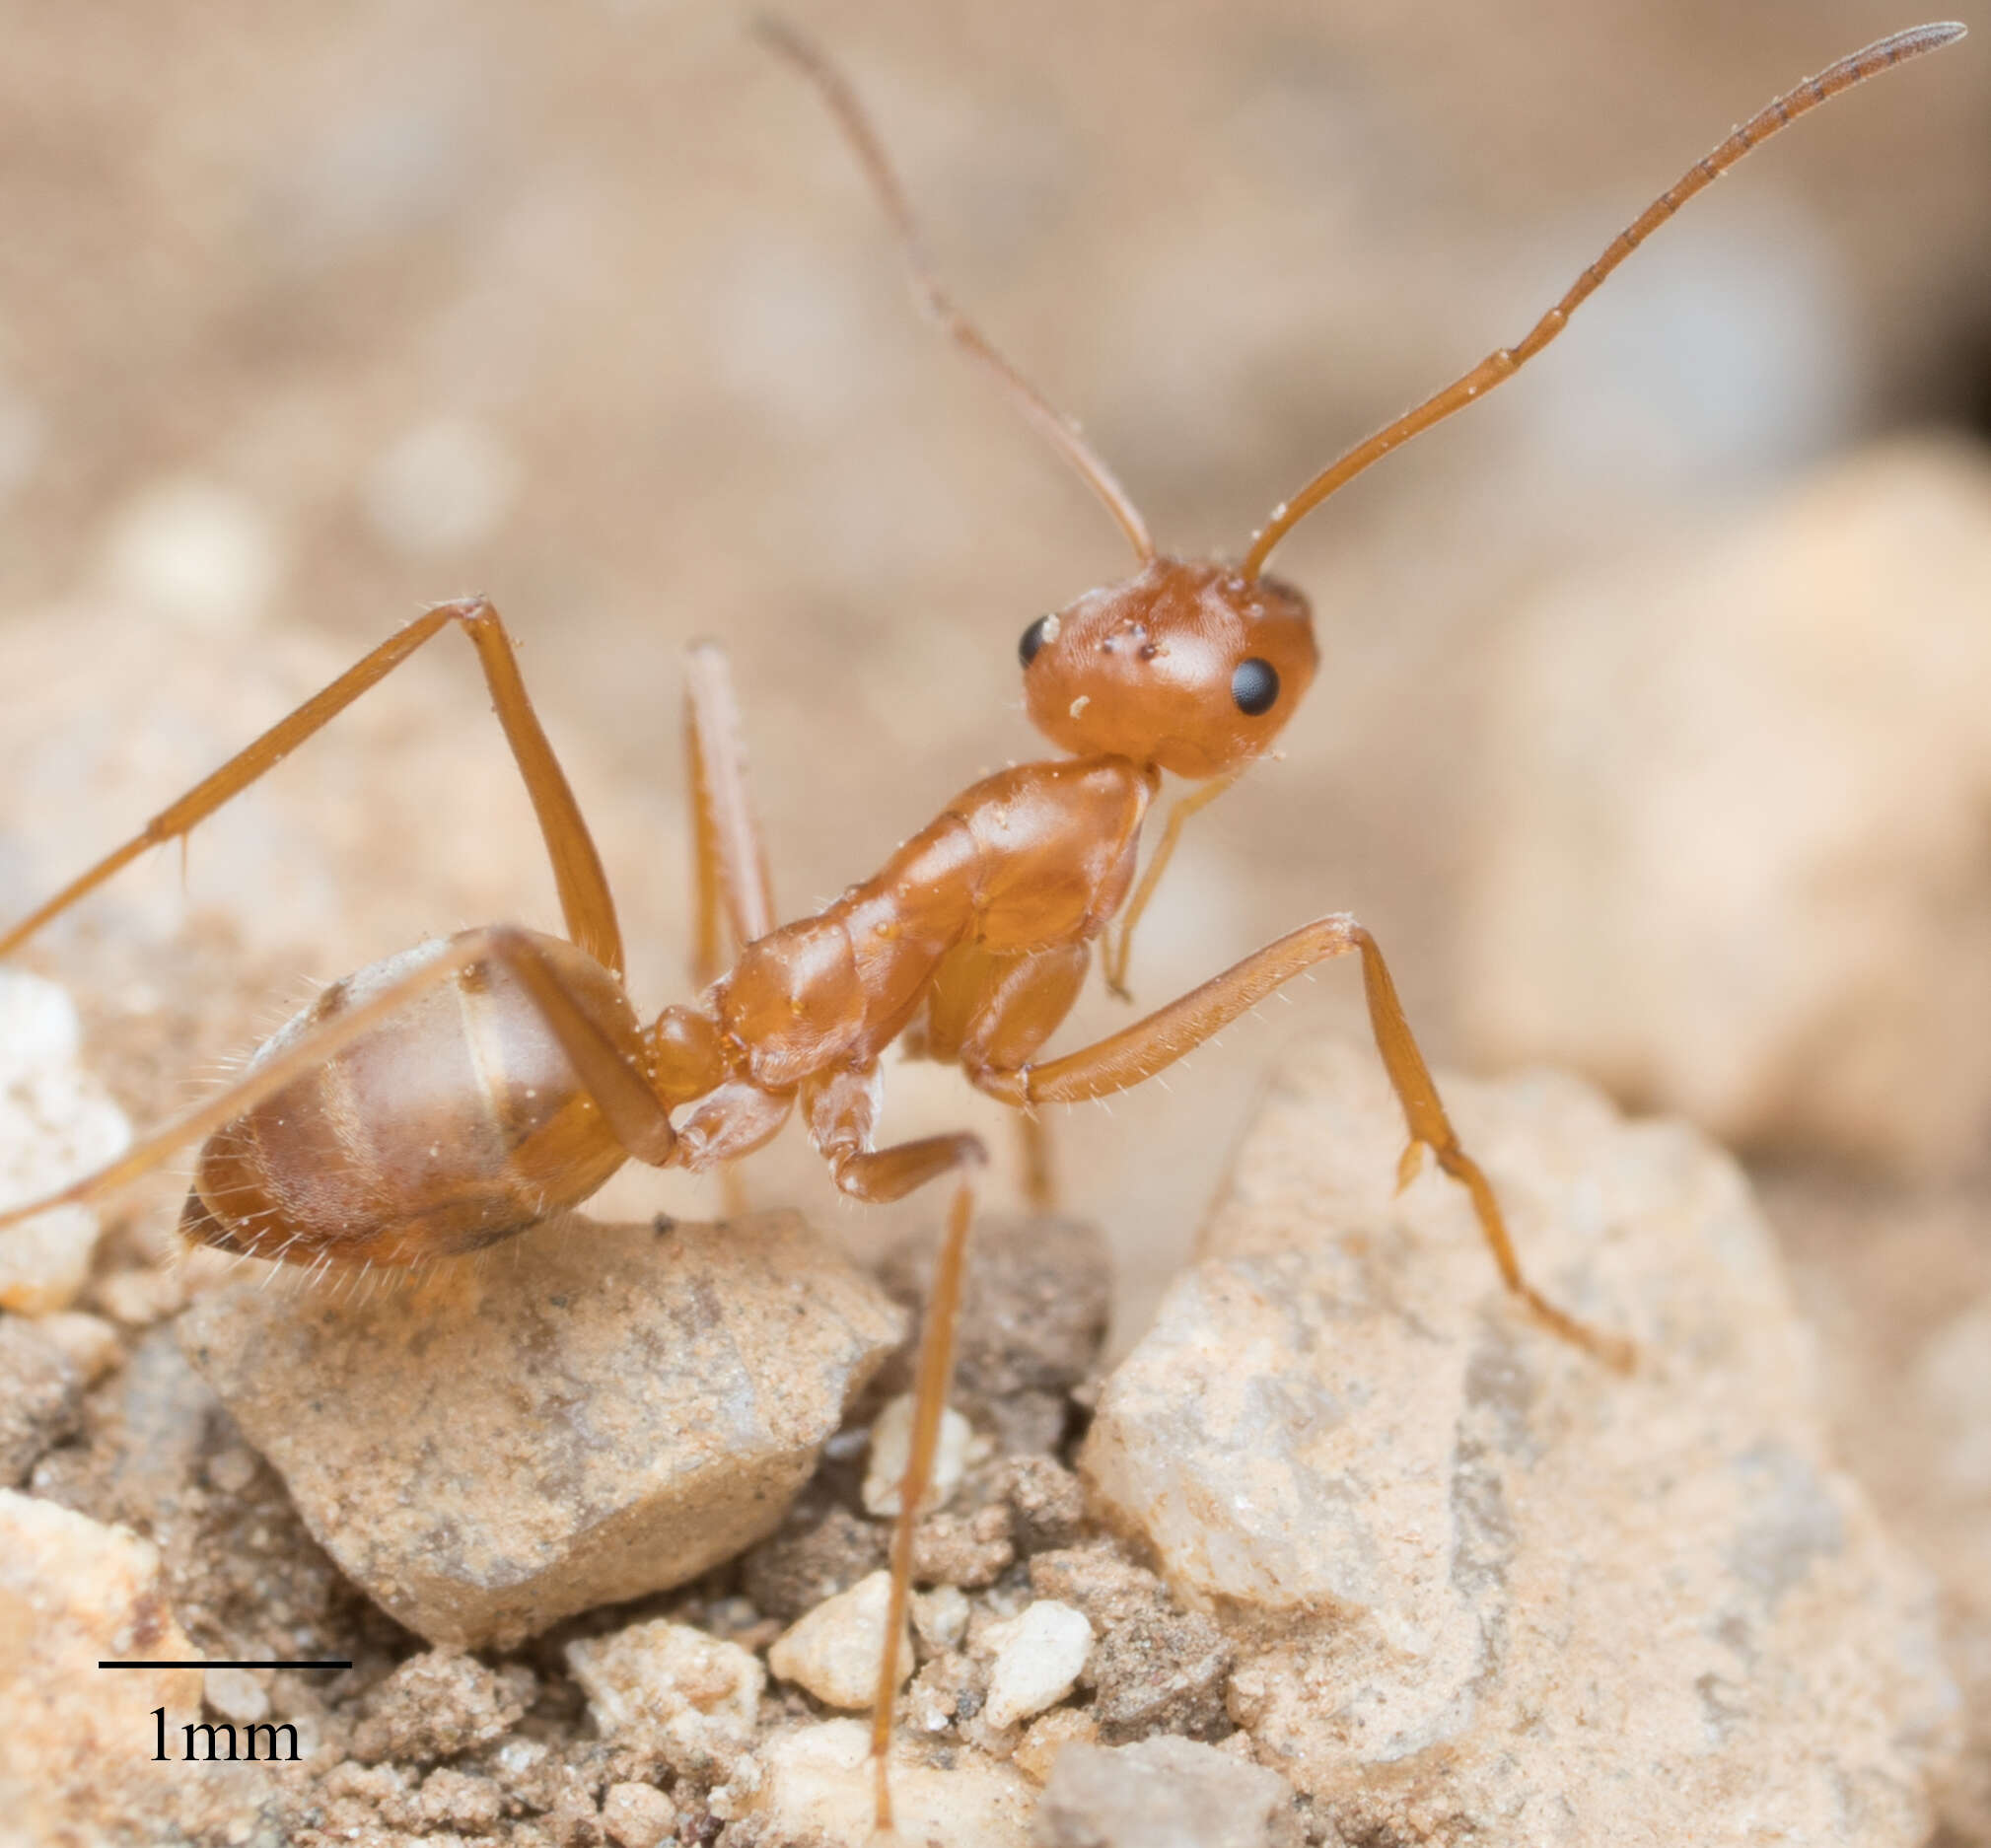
1255, 686
1043, 629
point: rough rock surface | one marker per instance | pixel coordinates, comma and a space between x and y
1164, 1792
593, 1413
1733, 857
55, 1123
1033, 1314
1480, 1585
76, 1742
815, 1792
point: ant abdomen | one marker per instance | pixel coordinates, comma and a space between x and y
454, 1124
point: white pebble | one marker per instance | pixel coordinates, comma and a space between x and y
892, 1445
637, 1815
834, 1650
442, 487
661, 1681
194, 553
235, 1694
941, 1617
55, 1123
1038, 1659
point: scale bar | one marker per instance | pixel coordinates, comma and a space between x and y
224, 1664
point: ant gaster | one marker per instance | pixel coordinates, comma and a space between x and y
455, 1095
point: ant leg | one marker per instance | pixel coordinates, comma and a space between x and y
585, 899
1113, 964
1139, 1052
1037, 1149
637, 1120
729, 861
841, 1111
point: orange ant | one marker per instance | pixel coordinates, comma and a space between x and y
458, 1094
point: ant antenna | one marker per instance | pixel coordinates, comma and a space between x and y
1498, 367
789, 43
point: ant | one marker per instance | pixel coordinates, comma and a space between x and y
457, 1093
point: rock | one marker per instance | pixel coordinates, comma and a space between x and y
235, 1694
595, 1413
892, 1451
1898, 1284
1048, 1503
55, 1123
963, 1549
76, 1748
40, 1397
815, 1789
674, 1691
1046, 1737
939, 1616
1476, 1577
436, 1704
948, 1691
1039, 1656
834, 1650
1096, 1580
638, 1815
1034, 1312
1165, 1793
1732, 858
796, 1570
1162, 1672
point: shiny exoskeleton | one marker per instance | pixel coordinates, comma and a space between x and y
470, 1089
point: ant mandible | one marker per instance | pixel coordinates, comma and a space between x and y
455, 1095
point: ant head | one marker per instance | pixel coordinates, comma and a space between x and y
1189, 666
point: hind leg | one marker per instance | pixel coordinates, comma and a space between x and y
585, 900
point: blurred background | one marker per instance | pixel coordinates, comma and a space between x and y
1649, 736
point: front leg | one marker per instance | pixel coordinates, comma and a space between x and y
1150, 1046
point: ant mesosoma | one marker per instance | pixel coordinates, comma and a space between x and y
455, 1095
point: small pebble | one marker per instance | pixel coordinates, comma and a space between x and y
637, 1815
93, 1344
835, 1650
1038, 1656
235, 1694
963, 1549
673, 1689
891, 1446
939, 1616
1048, 1734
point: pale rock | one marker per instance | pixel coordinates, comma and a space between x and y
637, 1815
673, 1689
77, 1741
40, 1397
93, 1345
1038, 1656
235, 1694
1471, 1572
441, 488
1164, 1792
816, 1789
892, 1448
591, 1413
1731, 848
1047, 1736
835, 1650
939, 1616
197, 555
56, 1123
437, 1704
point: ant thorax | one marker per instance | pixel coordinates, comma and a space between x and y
1188, 667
